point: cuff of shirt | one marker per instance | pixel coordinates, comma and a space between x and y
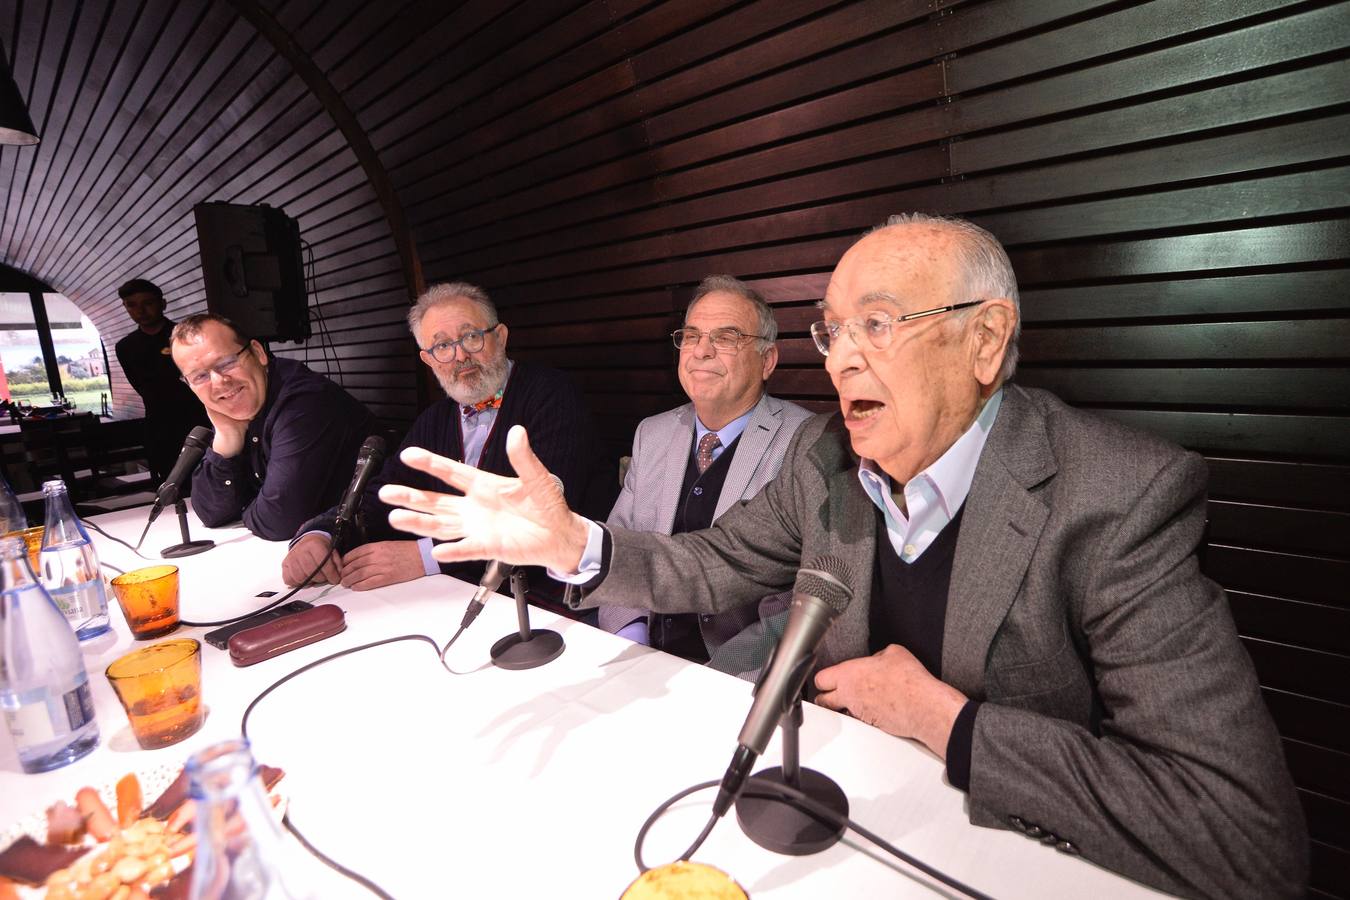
295, 540
958, 746
635, 631
591, 559
429, 564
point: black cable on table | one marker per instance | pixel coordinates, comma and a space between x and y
820, 811
275, 603
87, 523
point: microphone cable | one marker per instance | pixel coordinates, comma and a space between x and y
818, 810
290, 826
273, 604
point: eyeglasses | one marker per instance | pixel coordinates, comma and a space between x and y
727, 340
877, 326
223, 368
471, 341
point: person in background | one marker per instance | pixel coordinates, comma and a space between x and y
693, 463
286, 437
463, 341
1027, 601
170, 410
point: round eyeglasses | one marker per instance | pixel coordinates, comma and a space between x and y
472, 341
727, 340
876, 325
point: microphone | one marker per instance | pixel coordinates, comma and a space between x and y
492, 579
820, 594
194, 445
368, 461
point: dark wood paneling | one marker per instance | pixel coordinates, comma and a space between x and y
1170, 178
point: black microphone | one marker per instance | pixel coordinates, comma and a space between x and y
194, 445
368, 462
492, 579
820, 594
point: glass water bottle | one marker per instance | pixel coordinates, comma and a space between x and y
240, 851
70, 565
44, 688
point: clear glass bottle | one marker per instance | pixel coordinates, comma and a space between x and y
70, 565
241, 854
44, 689
12, 517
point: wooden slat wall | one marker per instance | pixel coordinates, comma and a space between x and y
1172, 179
146, 107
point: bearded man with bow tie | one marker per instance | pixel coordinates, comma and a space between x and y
463, 341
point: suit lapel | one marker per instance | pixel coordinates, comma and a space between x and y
851, 531
759, 431
1000, 528
676, 442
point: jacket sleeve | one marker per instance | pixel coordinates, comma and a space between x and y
613, 618
1185, 786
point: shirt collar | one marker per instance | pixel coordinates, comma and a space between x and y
951, 475
728, 432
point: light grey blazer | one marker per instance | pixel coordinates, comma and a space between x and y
650, 499
1120, 711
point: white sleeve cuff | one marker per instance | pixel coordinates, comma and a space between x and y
590, 559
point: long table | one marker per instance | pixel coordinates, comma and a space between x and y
486, 782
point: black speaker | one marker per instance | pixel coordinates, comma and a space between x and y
253, 269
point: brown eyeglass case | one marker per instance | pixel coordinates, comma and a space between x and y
253, 645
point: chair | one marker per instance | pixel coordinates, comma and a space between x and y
65, 447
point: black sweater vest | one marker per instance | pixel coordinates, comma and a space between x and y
909, 600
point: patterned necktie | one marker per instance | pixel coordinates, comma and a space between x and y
706, 445
493, 402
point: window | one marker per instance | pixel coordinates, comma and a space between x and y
65, 358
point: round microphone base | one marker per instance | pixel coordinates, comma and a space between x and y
513, 653
777, 824
187, 548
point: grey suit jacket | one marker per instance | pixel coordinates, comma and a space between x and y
651, 497
1120, 712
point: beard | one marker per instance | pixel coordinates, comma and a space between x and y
473, 382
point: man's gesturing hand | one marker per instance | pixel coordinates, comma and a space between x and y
894, 692
522, 521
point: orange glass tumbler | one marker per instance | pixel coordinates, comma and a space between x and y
160, 687
149, 600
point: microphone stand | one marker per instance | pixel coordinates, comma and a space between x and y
188, 547
777, 823
528, 648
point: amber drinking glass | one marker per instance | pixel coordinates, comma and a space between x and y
149, 600
160, 687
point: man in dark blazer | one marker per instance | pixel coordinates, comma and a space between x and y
1026, 597
727, 353
463, 341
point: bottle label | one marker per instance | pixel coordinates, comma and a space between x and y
39, 722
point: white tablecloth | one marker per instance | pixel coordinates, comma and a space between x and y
496, 783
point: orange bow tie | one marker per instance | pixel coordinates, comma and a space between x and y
493, 402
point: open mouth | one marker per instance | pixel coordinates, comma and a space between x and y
227, 397
858, 410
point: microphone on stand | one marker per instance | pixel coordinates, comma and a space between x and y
820, 594
194, 446
492, 579
368, 462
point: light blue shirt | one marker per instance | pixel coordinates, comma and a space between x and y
934, 495
726, 434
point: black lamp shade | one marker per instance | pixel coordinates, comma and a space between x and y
15, 125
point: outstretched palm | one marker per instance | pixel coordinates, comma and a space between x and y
522, 521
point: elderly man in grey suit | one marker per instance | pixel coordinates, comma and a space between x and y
1027, 601
693, 463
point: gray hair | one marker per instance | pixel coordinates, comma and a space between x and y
984, 267
441, 294
767, 324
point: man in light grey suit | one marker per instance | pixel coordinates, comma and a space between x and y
727, 353
1027, 601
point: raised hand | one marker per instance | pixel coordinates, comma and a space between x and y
522, 521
